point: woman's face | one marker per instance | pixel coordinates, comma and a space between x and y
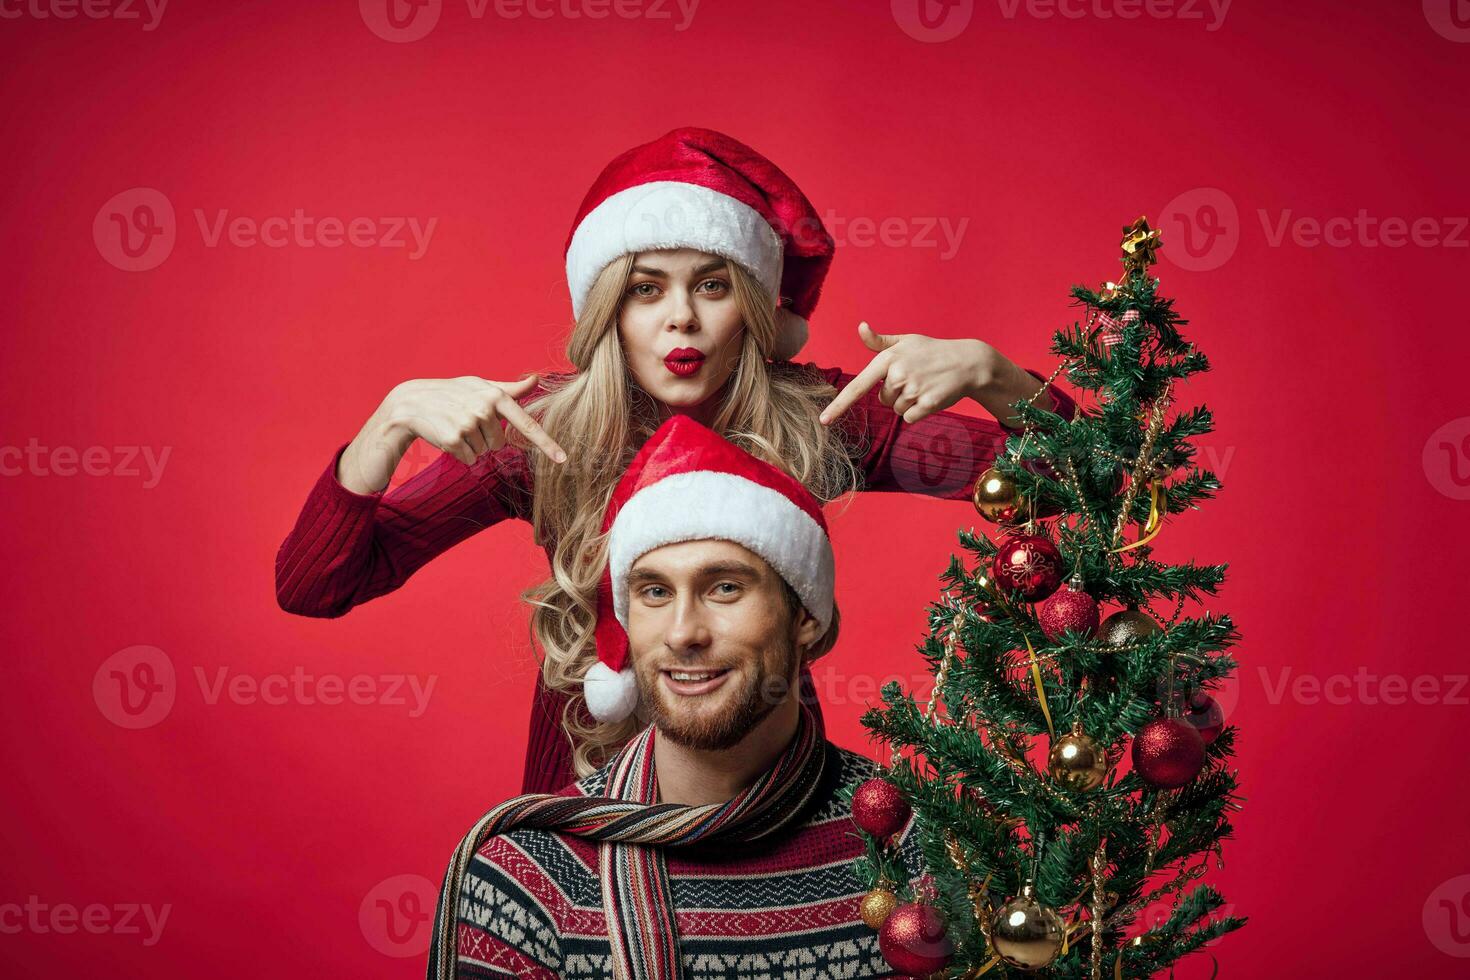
681, 327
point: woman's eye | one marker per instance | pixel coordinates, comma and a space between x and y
718, 285
643, 289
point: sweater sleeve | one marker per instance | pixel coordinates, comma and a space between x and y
940, 455
347, 548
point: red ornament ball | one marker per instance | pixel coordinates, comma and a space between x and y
1168, 752
1068, 609
1028, 564
914, 940
1205, 714
878, 808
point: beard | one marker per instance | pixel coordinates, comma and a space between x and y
760, 693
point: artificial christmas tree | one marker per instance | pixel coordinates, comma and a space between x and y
1045, 840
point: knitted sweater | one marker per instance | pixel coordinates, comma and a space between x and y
531, 904
347, 548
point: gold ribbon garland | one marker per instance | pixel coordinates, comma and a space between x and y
995, 595
1040, 689
1135, 942
1155, 522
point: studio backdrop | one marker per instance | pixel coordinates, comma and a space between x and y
229, 230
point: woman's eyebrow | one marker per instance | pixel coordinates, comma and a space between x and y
705, 269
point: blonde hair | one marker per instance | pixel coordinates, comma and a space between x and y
600, 416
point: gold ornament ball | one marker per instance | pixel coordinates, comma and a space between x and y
1077, 762
1025, 933
997, 497
877, 904
1124, 628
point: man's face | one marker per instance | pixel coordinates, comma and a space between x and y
714, 644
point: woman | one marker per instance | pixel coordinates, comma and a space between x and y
693, 265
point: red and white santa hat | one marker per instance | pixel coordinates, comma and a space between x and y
696, 188
689, 484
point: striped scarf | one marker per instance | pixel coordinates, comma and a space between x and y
633, 829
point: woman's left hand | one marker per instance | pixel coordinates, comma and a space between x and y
923, 375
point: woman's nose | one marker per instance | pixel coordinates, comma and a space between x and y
681, 314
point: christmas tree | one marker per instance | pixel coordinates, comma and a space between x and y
1070, 773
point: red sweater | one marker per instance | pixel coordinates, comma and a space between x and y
531, 904
347, 548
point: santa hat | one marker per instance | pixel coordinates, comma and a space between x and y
696, 188
689, 484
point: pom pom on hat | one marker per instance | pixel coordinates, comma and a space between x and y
611, 694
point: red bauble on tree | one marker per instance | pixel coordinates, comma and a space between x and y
914, 940
1029, 564
1168, 752
1069, 608
878, 808
1205, 714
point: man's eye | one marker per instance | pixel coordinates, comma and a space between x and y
653, 592
727, 589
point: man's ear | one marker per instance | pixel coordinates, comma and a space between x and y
808, 632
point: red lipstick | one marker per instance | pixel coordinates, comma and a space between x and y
684, 361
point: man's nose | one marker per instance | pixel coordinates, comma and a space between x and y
687, 632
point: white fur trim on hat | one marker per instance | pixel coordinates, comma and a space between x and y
791, 334
671, 214
611, 694
706, 504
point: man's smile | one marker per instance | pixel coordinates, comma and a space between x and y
690, 682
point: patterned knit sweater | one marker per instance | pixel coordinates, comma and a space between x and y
531, 903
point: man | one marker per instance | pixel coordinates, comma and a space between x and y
717, 843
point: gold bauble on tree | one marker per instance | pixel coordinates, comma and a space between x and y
877, 904
1126, 627
998, 497
1025, 933
1076, 761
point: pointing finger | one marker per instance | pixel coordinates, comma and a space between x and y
517, 416
855, 389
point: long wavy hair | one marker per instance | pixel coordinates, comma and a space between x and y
600, 416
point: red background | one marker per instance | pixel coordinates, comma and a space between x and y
266, 828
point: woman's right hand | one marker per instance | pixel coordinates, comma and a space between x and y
465, 417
